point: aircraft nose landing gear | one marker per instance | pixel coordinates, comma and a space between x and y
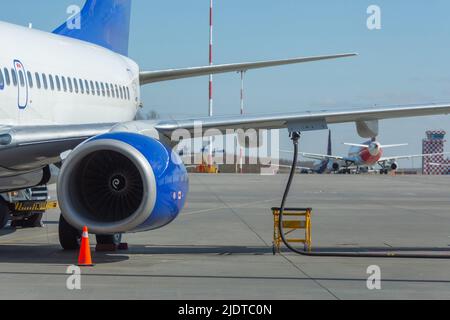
70, 239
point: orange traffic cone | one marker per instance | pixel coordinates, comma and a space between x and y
84, 259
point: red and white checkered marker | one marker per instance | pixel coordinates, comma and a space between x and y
435, 143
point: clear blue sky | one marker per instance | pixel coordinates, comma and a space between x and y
408, 61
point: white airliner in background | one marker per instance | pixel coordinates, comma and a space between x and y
76, 90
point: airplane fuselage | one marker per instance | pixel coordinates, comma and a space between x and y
368, 156
50, 79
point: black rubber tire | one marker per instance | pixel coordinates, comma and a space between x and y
4, 214
115, 239
35, 221
69, 237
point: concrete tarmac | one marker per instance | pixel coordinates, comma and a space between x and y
221, 245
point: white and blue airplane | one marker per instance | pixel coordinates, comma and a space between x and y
68, 98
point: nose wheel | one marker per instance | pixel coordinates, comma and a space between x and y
69, 237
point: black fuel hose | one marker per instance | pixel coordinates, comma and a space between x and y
295, 137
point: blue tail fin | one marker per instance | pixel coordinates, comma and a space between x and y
329, 145
102, 22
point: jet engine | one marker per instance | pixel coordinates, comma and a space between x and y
394, 166
336, 167
122, 182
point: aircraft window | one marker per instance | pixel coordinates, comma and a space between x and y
58, 83
21, 78
44, 81
7, 78
103, 88
86, 84
38, 80
92, 88
112, 90
81, 86
69, 81
64, 84
107, 90
14, 77
75, 84
117, 92
52, 83
30, 79
97, 86
2, 80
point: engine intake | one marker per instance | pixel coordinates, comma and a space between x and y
110, 182
336, 166
394, 166
122, 182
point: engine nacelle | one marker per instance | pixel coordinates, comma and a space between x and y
394, 166
122, 182
336, 167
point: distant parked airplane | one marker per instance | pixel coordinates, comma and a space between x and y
366, 154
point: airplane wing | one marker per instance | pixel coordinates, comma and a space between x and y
439, 165
147, 77
23, 147
286, 166
321, 156
27, 148
391, 159
299, 121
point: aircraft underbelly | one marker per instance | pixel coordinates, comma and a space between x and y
20, 181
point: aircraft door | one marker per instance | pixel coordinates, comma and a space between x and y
134, 88
22, 85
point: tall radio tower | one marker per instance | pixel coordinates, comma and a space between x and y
241, 151
211, 57
210, 111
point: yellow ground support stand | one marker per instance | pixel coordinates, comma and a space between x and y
206, 168
301, 220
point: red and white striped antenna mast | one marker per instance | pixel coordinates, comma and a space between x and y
241, 151
242, 92
211, 105
211, 57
